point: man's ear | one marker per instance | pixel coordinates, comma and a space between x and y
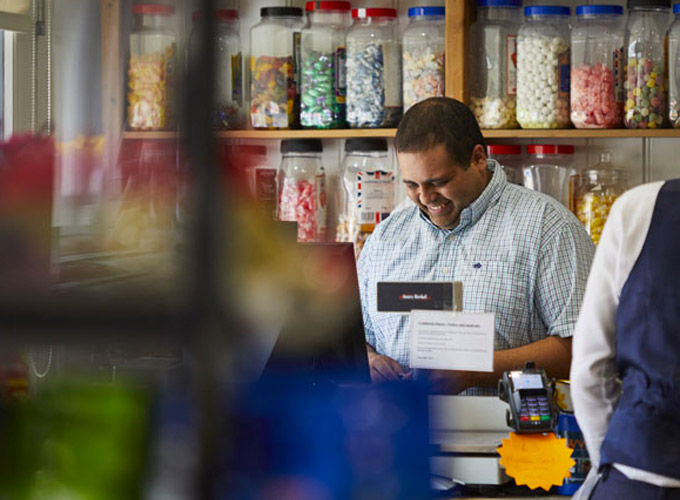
478, 158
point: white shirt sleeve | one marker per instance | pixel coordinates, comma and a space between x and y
595, 388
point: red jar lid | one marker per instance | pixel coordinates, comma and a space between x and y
344, 6
153, 8
504, 149
363, 13
226, 14
550, 149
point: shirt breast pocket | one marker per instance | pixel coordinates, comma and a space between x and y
502, 288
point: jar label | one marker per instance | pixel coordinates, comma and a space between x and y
392, 74
511, 65
237, 79
297, 62
619, 75
321, 207
565, 73
374, 196
340, 75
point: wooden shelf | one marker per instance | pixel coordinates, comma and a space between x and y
390, 132
579, 133
275, 134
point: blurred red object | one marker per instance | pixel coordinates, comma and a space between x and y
26, 196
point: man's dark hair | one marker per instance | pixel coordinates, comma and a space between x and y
440, 120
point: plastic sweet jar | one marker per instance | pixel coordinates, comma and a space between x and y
229, 112
645, 63
151, 68
543, 68
374, 96
423, 55
323, 74
597, 76
302, 188
509, 156
596, 190
674, 69
549, 168
368, 193
493, 62
274, 68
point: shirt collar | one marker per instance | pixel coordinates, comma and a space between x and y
474, 211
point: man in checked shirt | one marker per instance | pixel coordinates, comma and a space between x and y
520, 254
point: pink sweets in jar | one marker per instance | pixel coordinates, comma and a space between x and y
597, 73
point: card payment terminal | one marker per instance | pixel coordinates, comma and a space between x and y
529, 394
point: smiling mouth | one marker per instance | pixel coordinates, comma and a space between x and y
438, 208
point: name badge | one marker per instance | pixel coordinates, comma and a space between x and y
404, 296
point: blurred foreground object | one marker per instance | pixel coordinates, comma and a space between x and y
26, 188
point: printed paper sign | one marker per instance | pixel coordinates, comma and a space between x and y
442, 340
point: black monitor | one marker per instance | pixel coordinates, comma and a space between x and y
323, 336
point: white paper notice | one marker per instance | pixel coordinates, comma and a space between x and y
445, 340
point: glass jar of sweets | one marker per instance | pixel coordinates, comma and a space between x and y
509, 156
493, 63
274, 68
229, 112
645, 60
595, 192
423, 55
374, 96
674, 69
323, 65
302, 188
368, 184
548, 170
152, 68
596, 67
543, 68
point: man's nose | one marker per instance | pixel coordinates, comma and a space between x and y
427, 195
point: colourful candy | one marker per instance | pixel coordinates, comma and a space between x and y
321, 104
149, 101
423, 75
645, 94
304, 202
272, 92
594, 101
593, 210
367, 105
495, 112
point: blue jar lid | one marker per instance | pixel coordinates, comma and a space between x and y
588, 10
426, 11
676, 8
546, 10
499, 3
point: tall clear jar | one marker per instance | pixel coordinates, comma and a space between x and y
493, 63
374, 97
509, 156
302, 188
368, 193
597, 92
644, 46
549, 168
597, 189
229, 112
324, 86
152, 68
423, 55
543, 68
674, 69
274, 68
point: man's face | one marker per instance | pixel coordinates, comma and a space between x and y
439, 187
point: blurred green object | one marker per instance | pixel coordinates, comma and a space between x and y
79, 439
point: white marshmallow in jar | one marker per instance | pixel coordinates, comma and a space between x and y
543, 68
